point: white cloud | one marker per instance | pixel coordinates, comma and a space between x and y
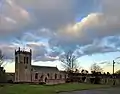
91, 27
98, 49
8, 51
68, 33
10, 20
45, 58
13, 17
49, 14
78, 28
39, 49
17, 11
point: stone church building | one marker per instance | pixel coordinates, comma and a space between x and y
26, 72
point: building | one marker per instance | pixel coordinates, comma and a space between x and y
26, 72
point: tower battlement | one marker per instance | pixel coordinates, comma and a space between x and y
19, 51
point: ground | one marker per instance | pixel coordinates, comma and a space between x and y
43, 89
97, 91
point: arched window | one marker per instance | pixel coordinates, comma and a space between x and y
51, 76
36, 75
60, 76
65, 76
27, 60
25, 67
24, 60
45, 79
55, 76
16, 59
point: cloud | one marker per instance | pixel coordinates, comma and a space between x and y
13, 17
44, 33
49, 27
46, 12
29, 37
77, 33
114, 41
46, 58
97, 48
54, 53
94, 26
15, 11
6, 21
38, 49
110, 7
31, 15
8, 51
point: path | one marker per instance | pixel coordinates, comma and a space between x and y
99, 91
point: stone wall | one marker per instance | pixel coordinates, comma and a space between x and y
110, 81
10, 77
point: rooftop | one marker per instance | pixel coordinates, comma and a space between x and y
45, 68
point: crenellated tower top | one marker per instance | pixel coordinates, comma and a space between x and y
23, 51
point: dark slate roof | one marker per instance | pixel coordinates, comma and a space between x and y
45, 68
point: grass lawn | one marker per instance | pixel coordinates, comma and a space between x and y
45, 89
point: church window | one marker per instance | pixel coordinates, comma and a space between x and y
24, 60
60, 76
51, 76
65, 76
25, 67
27, 60
36, 75
55, 76
45, 79
16, 59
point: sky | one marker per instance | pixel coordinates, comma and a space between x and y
90, 28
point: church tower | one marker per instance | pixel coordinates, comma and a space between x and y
22, 66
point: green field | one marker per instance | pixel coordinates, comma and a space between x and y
45, 89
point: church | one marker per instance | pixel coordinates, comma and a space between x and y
26, 72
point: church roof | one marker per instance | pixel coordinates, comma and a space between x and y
45, 68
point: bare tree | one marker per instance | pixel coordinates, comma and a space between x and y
96, 68
84, 71
69, 61
2, 71
1, 58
